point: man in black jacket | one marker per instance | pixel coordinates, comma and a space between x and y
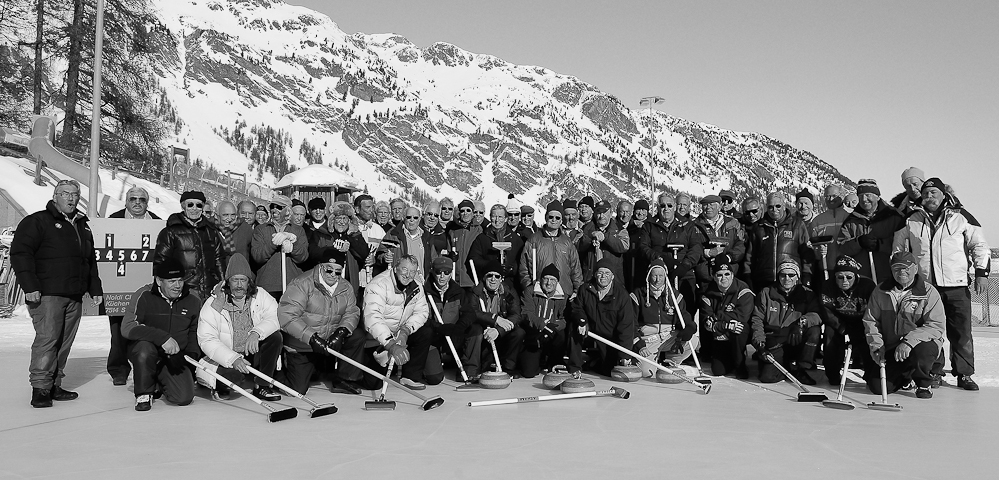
162, 322
678, 242
195, 241
603, 306
52, 255
136, 207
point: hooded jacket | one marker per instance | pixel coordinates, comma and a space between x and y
652, 310
215, 332
554, 249
308, 307
54, 255
942, 247
771, 242
198, 246
882, 224
918, 317
540, 309
775, 310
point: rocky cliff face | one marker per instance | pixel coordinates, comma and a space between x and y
440, 120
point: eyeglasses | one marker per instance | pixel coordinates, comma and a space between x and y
845, 276
275, 206
728, 200
479, 212
775, 207
69, 194
755, 210
138, 199
787, 275
341, 218
554, 217
432, 214
447, 208
493, 275
194, 205
412, 217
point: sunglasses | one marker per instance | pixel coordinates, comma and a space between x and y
787, 275
275, 206
441, 273
666, 205
755, 210
514, 214
431, 214
466, 210
775, 207
412, 217
479, 212
728, 200
333, 271
447, 208
194, 205
845, 276
493, 275
554, 217
137, 199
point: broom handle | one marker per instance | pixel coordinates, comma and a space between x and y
475, 275
284, 271
499, 368
540, 398
391, 365
534, 263
874, 272
773, 361
450, 344
640, 358
370, 371
884, 385
679, 315
228, 383
846, 363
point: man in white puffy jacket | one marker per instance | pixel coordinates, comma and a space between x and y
944, 237
237, 328
394, 310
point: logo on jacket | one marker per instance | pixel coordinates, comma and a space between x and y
787, 233
58, 225
183, 311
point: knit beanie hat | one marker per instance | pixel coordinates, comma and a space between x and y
550, 271
513, 205
238, 266
169, 269
466, 204
603, 263
317, 202
867, 185
804, 193
913, 172
934, 182
721, 262
642, 204
569, 203
789, 265
845, 263
554, 206
587, 200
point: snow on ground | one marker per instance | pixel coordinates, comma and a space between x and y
739, 430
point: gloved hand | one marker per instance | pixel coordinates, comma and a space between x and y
291, 237
794, 338
398, 352
336, 340
734, 326
402, 336
583, 329
760, 344
677, 347
869, 242
711, 325
287, 246
546, 336
318, 344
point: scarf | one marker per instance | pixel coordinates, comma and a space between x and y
228, 241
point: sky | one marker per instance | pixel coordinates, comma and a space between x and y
871, 87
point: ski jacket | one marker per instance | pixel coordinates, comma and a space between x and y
943, 247
54, 254
199, 248
775, 310
269, 256
842, 307
540, 309
613, 247
502, 303
549, 249
153, 318
731, 234
482, 251
657, 238
771, 243
215, 332
882, 224
308, 307
718, 308
389, 309
917, 317
448, 304
828, 224
323, 239
460, 239
612, 317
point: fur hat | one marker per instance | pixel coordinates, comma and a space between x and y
317, 202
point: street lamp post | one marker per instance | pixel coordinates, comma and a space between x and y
95, 121
651, 101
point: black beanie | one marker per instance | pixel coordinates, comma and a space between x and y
317, 202
192, 194
550, 270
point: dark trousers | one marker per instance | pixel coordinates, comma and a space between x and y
56, 320
418, 345
508, 347
151, 366
264, 360
778, 344
118, 366
603, 358
300, 367
440, 343
835, 348
729, 356
897, 374
533, 359
957, 306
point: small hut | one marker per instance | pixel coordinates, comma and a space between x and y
318, 180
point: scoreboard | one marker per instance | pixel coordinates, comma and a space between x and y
124, 250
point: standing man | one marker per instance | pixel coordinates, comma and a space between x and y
412, 240
479, 214
118, 367
275, 242
776, 238
729, 206
248, 212
162, 323
364, 206
299, 213
572, 227
804, 203
461, 234
678, 242
947, 242
236, 234
912, 182
869, 231
398, 207
260, 216
383, 215
637, 267
586, 205
447, 211
317, 212
527, 226
52, 255
826, 225
683, 206
195, 241
485, 249
724, 236
551, 246
602, 239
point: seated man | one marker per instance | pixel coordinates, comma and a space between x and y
394, 310
444, 299
904, 322
726, 307
603, 306
496, 309
844, 301
660, 335
319, 309
543, 313
161, 322
238, 327
786, 323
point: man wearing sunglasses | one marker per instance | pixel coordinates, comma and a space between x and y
52, 255
678, 242
776, 237
499, 244
275, 242
495, 309
447, 211
868, 232
408, 238
726, 307
432, 223
603, 239
196, 242
786, 323
136, 207
527, 227
461, 234
551, 246
844, 301
729, 205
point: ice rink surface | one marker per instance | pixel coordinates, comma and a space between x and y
740, 430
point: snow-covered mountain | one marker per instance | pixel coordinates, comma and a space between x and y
262, 86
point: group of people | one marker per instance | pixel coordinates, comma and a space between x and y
388, 284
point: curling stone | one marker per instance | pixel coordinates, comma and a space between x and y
626, 373
577, 385
663, 377
495, 380
554, 379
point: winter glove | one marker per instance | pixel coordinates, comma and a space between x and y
760, 344
398, 352
677, 347
318, 344
336, 340
869, 242
290, 237
711, 325
278, 238
734, 326
794, 337
684, 336
546, 336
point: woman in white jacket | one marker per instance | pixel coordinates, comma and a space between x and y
237, 329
